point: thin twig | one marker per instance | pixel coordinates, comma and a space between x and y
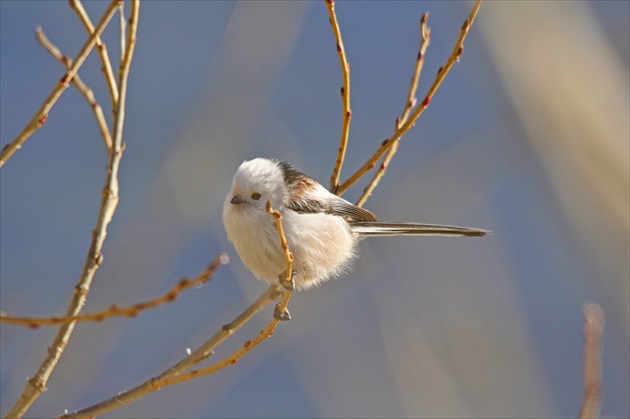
232, 359
205, 350
593, 332
272, 293
345, 97
40, 116
37, 384
174, 375
287, 276
77, 6
442, 72
264, 334
410, 103
425, 40
123, 27
117, 311
78, 82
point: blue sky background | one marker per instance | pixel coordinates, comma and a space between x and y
527, 137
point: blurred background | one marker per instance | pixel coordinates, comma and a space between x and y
528, 137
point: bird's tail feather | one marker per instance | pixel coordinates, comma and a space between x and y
377, 228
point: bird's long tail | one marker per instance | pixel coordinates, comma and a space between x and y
377, 228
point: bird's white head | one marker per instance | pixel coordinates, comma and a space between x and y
255, 182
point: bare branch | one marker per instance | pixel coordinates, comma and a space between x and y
77, 6
205, 350
232, 359
198, 355
345, 97
123, 27
37, 384
78, 82
117, 311
174, 374
40, 116
425, 40
593, 332
442, 72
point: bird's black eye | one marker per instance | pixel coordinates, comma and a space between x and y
256, 196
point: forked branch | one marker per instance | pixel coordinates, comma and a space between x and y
77, 6
42, 113
78, 82
345, 97
37, 384
175, 375
442, 72
410, 103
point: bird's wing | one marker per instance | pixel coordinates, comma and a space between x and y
332, 205
340, 206
314, 198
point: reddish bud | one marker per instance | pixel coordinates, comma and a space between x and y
247, 343
420, 56
440, 70
338, 47
349, 114
384, 143
426, 101
234, 361
33, 325
343, 91
466, 24
459, 52
383, 166
42, 120
425, 16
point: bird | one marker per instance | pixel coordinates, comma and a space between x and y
322, 229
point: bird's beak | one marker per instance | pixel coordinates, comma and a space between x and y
236, 200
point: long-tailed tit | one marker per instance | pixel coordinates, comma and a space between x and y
322, 229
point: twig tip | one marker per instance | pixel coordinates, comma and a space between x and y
223, 258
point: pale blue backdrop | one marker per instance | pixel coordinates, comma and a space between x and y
527, 137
